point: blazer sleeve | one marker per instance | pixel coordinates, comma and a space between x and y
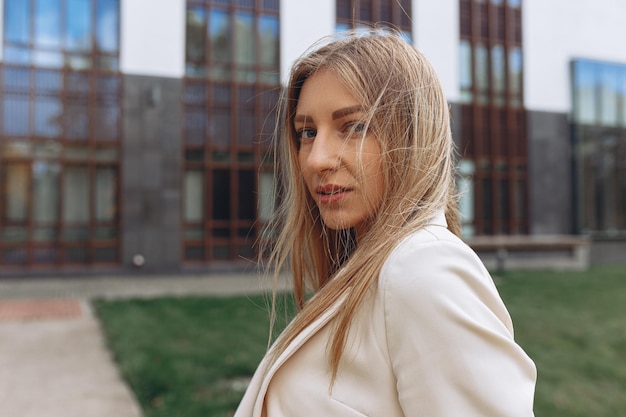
449, 335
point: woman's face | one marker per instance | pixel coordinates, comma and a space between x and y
340, 162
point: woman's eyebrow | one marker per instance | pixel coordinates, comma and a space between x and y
338, 114
302, 118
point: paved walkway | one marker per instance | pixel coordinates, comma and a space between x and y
53, 359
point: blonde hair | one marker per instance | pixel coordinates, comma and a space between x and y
408, 114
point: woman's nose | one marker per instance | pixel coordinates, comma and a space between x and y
322, 153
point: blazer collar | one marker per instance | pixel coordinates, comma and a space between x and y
439, 219
262, 378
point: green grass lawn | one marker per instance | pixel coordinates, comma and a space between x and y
191, 357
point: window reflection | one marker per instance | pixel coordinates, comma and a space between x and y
244, 44
47, 21
47, 116
498, 72
220, 48
17, 21
465, 52
599, 91
608, 91
107, 26
49, 59
78, 30
515, 76
232, 57
15, 115
268, 36
16, 55
76, 194
15, 188
45, 191
193, 192
481, 60
56, 114
105, 202
195, 46
54, 33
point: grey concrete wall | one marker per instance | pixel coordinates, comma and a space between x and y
550, 176
151, 173
607, 251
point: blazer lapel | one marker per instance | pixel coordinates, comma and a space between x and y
260, 382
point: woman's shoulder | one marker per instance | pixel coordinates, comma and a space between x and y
433, 239
434, 270
432, 256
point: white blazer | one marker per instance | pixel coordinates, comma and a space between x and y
432, 339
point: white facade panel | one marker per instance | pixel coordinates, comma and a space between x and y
557, 31
436, 35
152, 37
302, 23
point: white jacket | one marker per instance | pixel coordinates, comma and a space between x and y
433, 339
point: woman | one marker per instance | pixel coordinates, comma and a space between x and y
404, 320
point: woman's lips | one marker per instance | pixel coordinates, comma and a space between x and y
331, 194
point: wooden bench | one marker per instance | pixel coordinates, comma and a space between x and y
557, 252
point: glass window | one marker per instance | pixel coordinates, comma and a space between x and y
481, 62
48, 113
16, 80
105, 202
195, 124
247, 195
359, 15
266, 196
245, 45
17, 55
76, 194
76, 119
497, 70
78, 31
49, 59
193, 201
45, 191
269, 44
65, 186
16, 188
465, 49
195, 49
221, 194
465, 185
515, 74
621, 98
15, 112
220, 47
598, 103
609, 77
107, 26
47, 21
219, 125
222, 117
17, 21
584, 92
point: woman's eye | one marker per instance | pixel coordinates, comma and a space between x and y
355, 127
359, 127
305, 133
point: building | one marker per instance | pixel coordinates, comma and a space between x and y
134, 133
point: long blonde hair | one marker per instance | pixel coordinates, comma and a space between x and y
409, 115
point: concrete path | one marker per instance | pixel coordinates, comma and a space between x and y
53, 358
